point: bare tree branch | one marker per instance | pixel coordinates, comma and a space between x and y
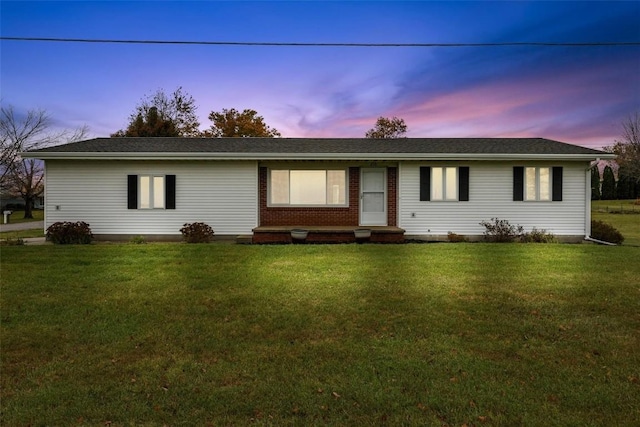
25, 177
627, 149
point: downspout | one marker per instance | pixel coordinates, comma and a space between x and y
587, 200
600, 242
587, 222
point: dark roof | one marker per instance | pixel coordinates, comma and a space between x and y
309, 146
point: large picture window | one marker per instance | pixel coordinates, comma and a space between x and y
308, 187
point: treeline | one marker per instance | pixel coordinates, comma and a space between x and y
606, 187
174, 115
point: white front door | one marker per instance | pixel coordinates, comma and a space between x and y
373, 196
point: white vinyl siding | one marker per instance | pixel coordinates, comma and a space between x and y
491, 196
221, 194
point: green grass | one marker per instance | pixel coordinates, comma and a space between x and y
417, 334
35, 232
18, 216
628, 223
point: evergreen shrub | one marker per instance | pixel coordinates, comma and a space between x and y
605, 232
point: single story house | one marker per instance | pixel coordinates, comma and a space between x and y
262, 188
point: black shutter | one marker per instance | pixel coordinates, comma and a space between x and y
556, 194
425, 183
170, 191
132, 191
463, 184
518, 183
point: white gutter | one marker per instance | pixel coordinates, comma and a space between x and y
587, 201
302, 156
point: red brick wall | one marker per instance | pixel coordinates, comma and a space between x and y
392, 196
324, 215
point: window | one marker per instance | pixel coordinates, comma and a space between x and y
444, 183
308, 187
151, 192
537, 183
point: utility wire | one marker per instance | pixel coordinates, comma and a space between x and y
292, 44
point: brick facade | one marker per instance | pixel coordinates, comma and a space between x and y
392, 196
322, 216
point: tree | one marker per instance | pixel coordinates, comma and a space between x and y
149, 123
166, 115
25, 177
624, 187
627, 149
608, 184
388, 128
595, 183
232, 123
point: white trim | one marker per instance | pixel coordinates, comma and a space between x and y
310, 156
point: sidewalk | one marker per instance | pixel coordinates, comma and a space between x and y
22, 226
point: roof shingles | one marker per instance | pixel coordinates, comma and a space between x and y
498, 146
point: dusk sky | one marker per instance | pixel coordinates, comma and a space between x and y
573, 94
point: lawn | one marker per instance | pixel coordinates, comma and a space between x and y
622, 214
22, 234
415, 334
18, 216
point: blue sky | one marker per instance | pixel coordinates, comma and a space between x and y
574, 94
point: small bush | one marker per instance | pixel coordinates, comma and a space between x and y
197, 232
500, 231
538, 236
138, 240
455, 238
605, 232
63, 233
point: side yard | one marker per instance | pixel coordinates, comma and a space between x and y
622, 214
431, 334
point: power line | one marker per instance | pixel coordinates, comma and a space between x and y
294, 44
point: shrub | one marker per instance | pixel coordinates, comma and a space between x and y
455, 238
605, 232
197, 232
63, 233
138, 240
500, 231
538, 236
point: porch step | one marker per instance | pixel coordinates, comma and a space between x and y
327, 234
